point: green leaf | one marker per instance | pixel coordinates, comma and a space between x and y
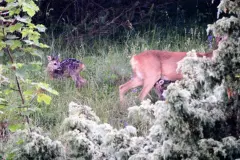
45, 87
37, 52
26, 31
2, 106
15, 27
15, 127
41, 28
2, 45
14, 44
23, 19
9, 1
8, 91
12, 37
31, 8
44, 98
41, 45
3, 101
34, 36
20, 141
10, 156
11, 5
28, 94
29, 42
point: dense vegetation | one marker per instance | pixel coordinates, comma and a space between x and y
197, 122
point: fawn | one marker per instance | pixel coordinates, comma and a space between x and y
70, 67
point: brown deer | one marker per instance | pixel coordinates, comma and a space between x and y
155, 68
66, 68
151, 66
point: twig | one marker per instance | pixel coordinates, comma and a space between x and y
17, 81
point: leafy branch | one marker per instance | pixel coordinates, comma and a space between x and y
19, 38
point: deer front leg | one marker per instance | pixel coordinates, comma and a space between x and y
76, 79
81, 81
147, 86
134, 82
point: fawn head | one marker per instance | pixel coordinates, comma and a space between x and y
53, 63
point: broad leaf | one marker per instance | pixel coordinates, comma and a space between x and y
11, 5
44, 98
45, 87
9, 1
41, 28
28, 94
15, 127
14, 44
23, 19
31, 8
12, 37
37, 52
41, 45
3, 101
2, 45
15, 27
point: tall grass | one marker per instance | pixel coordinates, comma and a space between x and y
107, 66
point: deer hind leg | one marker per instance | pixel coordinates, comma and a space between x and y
76, 78
75, 75
80, 81
147, 86
134, 82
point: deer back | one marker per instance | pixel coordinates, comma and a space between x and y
155, 62
71, 66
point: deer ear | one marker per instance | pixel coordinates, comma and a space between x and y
49, 58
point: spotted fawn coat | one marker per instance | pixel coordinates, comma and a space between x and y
66, 68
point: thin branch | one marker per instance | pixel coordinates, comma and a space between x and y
17, 81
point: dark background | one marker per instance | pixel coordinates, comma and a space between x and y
110, 17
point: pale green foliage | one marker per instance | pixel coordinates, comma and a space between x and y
211, 148
86, 138
230, 6
142, 116
34, 145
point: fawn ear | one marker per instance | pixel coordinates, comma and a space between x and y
58, 56
49, 58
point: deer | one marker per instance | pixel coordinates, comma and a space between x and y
154, 68
69, 67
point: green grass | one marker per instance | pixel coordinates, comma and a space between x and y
107, 67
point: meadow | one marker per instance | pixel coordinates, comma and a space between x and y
107, 66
